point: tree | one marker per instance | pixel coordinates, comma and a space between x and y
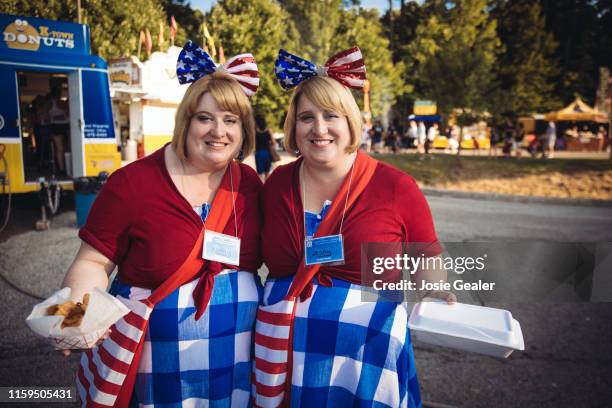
404, 23
579, 28
187, 19
50, 9
399, 26
260, 27
328, 27
526, 70
114, 24
316, 22
603, 34
454, 66
363, 28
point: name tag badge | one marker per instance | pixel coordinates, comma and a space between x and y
221, 248
324, 250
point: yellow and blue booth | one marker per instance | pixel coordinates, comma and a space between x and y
46, 67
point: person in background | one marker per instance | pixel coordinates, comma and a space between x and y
476, 145
548, 149
40, 123
572, 132
264, 143
58, 120
391, 139
586, 132
422, 138
413, 134
400, 130
366, 140
377, 138
453, 139
509, 141
602, 136
432, 133
493, 140
519, 135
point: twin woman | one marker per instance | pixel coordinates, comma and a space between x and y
189, 226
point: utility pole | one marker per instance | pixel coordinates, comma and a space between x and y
79, 12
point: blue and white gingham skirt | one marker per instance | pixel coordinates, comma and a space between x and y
347, 352
189, 363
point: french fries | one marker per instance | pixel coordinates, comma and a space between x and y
73, 312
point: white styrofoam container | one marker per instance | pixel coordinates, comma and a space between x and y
479, 329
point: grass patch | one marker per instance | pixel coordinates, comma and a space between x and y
576, 178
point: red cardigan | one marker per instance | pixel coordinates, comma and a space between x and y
391, 209
142, 223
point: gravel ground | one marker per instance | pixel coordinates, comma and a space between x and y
568, 356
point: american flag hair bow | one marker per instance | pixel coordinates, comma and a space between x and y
193, 63
346, 67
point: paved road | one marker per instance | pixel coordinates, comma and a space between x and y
568, 356
472, 220
567, 361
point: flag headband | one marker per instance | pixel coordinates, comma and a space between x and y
346, 67
193, 63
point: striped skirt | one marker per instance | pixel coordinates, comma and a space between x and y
348, 352
203, 363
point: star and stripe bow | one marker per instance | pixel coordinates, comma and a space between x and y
193, 63
347, 67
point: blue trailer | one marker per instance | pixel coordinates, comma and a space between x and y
55, 111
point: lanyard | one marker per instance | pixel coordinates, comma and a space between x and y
229, 168
233, 198
220, 247
303, 183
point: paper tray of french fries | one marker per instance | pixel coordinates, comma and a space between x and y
75, 325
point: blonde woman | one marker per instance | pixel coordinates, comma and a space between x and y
329, 348
154, 220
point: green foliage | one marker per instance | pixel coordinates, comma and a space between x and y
50, 9
526, 70
453, 55
260, 27
327, 27
399, 26
316, 22
508, 57
187, 19
362, 27
583, 29
114, 25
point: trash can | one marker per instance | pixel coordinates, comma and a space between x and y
85, 191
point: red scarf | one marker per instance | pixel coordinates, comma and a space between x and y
283, 241
220, 213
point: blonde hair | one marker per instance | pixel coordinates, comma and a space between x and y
228, 95
330, 95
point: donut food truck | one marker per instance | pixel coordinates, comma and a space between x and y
55, 114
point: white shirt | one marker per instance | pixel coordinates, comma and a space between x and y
432, 132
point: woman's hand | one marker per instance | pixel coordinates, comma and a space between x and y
89, 270
100, 340
448, 297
